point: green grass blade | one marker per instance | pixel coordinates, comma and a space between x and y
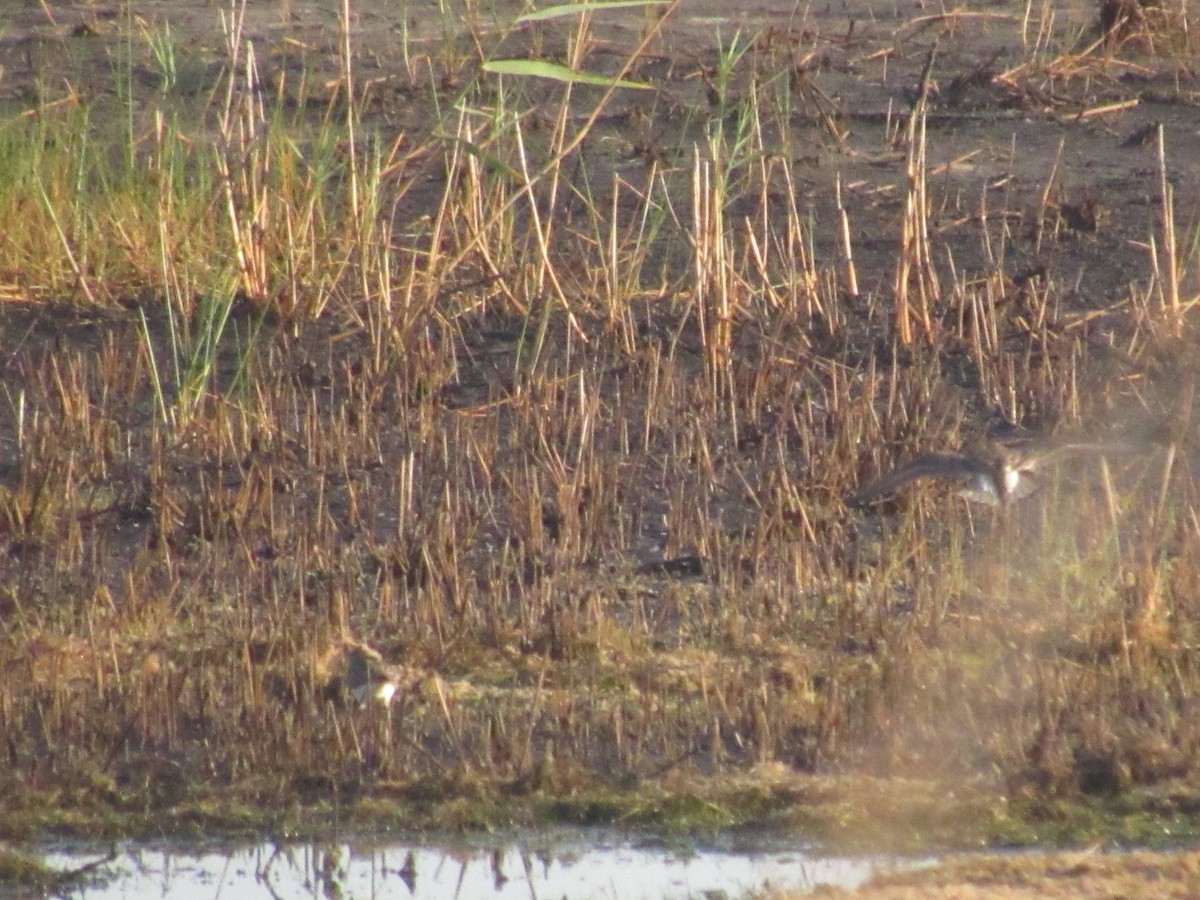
573, 9
540, 69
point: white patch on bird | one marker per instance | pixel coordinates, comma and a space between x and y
382, 690
385, 692
982, 489
1012, 480
1023, 483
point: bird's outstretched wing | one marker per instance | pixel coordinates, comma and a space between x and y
1038, 455
939, 466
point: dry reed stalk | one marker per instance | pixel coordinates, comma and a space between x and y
847, 246
711, 267
1169, 273
1045, 27
243, 160
803, 266
544, 268
347, 63
81, 278
577, 49
914, 263
1108, 109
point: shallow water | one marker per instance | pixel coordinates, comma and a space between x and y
541, 867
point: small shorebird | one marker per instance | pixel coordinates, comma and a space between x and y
1005, 470
368, 676
351, 667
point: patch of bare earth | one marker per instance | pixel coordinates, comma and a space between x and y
1029, 876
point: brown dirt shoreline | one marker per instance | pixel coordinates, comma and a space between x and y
1085, 875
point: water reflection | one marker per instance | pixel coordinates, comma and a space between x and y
556, 867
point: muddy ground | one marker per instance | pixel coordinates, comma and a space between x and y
1086, 874
1061, 149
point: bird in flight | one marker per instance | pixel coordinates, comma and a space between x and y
1004, 471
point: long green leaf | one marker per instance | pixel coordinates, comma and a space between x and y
536, 68
571, 9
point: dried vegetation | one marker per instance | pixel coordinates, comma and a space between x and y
551, 394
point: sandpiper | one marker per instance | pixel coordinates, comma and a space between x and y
350, 668
368, 676
1005, 470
